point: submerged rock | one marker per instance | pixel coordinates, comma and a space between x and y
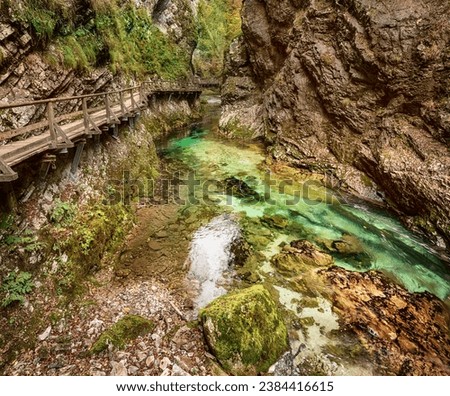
352, 250
240, 189
405, 333
275, 221
245, 331
348, 244
300, 257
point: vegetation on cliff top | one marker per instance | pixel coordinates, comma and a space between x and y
85, 34
219, 22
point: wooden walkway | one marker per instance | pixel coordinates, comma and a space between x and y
63, 131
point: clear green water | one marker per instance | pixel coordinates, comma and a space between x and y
318, 216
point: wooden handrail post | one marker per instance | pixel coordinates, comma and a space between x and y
108, 109
133, 103
142, 94
122, 104
85, 117
51, 124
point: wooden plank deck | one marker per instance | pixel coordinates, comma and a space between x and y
87, 123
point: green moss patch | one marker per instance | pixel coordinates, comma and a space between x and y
93, 233
245, 331
119, 334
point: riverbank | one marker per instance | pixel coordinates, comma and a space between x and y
69, 229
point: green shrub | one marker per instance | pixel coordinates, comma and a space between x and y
15, 286
13, 238
62, 213
44, 17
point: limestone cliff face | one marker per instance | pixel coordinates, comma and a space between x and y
358, 89
27, 71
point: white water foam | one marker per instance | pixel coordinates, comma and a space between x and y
210, 256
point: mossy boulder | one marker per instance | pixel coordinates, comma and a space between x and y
119, 334
245, 331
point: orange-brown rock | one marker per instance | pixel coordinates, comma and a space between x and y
406, 333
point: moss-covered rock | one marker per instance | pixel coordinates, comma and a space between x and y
245, 331
126, 329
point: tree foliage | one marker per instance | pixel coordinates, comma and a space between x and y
219, 23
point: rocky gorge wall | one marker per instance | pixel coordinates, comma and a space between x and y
356, 89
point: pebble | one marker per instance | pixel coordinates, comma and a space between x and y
157, 339
150, 360
122, 355
165, 362
154, 245
45, 334
165, 373
143, 346
178, 371
118, 369
141, 356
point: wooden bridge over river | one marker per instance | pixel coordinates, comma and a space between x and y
98, 113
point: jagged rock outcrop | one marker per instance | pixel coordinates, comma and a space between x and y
357, 89
240, 97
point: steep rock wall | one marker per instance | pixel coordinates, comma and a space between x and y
358, 89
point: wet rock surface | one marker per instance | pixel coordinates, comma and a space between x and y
407, 334
299, 258
355, 89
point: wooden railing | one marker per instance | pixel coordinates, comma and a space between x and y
50, 104
88, 115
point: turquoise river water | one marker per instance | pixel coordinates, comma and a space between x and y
312, 212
